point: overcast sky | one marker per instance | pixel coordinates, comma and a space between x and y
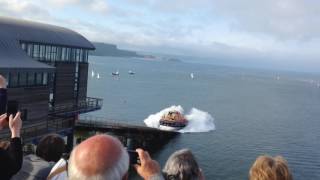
279, 29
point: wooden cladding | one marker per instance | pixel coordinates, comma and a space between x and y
64, 82
32, 99
83, 81
66, 76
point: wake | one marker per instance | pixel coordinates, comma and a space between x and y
198, 121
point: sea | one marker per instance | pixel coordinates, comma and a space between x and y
249, 112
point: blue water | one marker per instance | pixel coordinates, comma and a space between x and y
256, 112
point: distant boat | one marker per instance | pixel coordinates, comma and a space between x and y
131, 72
92, 73
115, 73
98, 76
191, 76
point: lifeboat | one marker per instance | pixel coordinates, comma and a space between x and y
172, 121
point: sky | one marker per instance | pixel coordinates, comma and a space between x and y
271, 32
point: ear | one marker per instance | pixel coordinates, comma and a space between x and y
125, 177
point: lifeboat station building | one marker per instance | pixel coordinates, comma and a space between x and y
46, 67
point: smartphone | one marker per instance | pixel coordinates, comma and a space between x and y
12, 108
134, 157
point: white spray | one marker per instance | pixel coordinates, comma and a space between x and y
198, 121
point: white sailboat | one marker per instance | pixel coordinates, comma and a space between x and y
191, 75
98, 76
115, 73
92, 73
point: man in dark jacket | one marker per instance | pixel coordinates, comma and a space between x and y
10, 159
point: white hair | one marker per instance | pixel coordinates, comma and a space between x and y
116, 172
181, 165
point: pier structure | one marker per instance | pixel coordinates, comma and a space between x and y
131, 136
46, 67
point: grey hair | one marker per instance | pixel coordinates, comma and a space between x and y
116, 172
181, 165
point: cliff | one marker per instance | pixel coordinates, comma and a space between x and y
104, 49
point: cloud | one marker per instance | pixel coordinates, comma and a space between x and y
62, 3
283, 28
18, 8
284, 20
99, 6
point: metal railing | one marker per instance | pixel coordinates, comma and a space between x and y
86, 105
59, 118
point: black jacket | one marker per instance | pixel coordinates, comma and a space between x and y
11, 159
3, 101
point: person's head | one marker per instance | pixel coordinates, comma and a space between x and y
50, 147
182, 165
101, 157
269, 168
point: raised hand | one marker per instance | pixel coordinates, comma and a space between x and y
15, 124
148, 166
3, 121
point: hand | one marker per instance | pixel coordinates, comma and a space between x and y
15, 125
3, 121
3, 82
148, 166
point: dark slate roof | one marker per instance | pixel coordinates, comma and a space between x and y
13, 58
12, 31
42, 33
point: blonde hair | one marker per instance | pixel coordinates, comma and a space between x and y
270, 168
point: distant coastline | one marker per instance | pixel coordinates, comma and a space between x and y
111, 50
104, 49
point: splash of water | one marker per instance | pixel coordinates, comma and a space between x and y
198, 121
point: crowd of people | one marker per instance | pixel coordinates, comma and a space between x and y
103, 157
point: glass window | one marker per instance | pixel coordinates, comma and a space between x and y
45, 79
48, 52
71, 54
53, 53
81, 55
42, 52
24, 46
78, 54
85, 55
22, 79
30, 50
36, 51
63, 54
14, 79
39, 79
59, 49
31, 79
68, 54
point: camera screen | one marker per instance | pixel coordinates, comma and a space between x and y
12, 107
134, 157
